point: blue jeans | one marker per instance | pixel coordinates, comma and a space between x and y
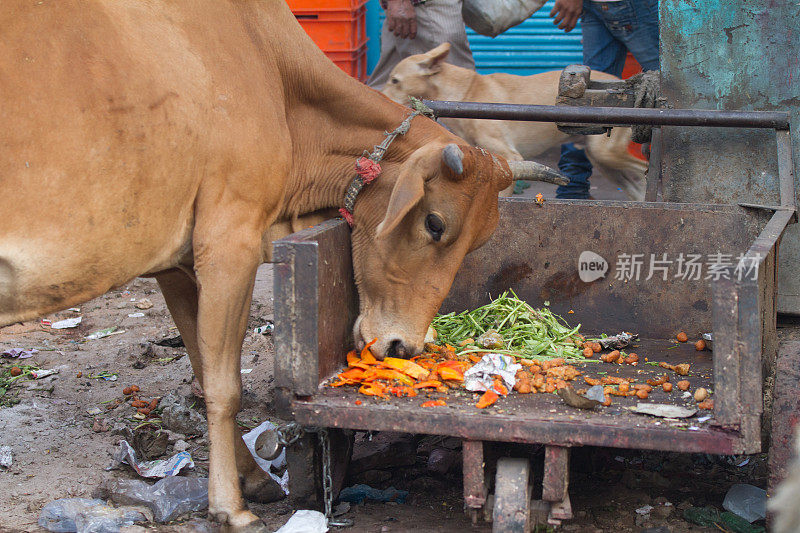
610, 30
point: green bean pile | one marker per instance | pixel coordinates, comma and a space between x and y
527, 332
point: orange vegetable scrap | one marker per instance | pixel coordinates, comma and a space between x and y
406, 367
488, 398
434, 403
430, 383
366, 354
352, 358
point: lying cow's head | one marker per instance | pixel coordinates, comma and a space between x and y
417, 76
442, 205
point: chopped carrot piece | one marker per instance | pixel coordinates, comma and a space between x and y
488, 398
499, 387
450, 373
430, 383
406, 367
386, 373
366, 353
352, 357
475, 358
434, 403
352, 373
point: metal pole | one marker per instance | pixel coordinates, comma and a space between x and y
620, 116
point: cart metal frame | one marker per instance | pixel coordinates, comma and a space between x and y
316, 304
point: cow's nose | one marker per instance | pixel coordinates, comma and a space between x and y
398, 349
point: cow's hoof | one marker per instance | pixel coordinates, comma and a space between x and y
262, 489
241, 522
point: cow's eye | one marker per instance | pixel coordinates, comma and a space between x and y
435, 226
395, 81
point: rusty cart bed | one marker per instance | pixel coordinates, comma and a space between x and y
535, 251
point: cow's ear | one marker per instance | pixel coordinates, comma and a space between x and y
408, 191
433, 59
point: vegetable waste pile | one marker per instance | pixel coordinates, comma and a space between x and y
506, 347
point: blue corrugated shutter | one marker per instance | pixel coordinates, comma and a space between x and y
536, 45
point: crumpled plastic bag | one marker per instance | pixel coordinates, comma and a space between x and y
85, 515
157, 468
494, 17
305, 522
168, 498
480, 377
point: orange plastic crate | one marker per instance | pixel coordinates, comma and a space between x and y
354, 62
312, 5
335, 30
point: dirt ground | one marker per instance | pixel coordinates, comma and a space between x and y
61, 445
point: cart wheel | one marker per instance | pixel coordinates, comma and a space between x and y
512, 496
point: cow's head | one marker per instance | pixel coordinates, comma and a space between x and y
412, 233
417, 76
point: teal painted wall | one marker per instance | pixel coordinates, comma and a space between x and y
732, 54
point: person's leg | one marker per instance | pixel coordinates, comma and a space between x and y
574, 164
440, 21
390, 57
640, 33
600, 52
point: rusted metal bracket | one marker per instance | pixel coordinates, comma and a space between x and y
474, 478
575, 88
555, 484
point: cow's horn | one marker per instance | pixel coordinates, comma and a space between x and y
453, 158
529, 170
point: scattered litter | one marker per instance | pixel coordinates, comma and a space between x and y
341, 508
246, 370
16, 353
74, 309
85, 515
359, 493
266, 329
305, 522
645, 510
157, 468
663, 410
177, 416
67, 323
46, 322
709, 340
617, 342
39, 374
135, 315
573, 399
144, 303
168, 498
746, 501
596, 393
6, 459
279, 463
171, 342
711, 517
105, 374
706, 419
480, 377
104, 333
744, 461
92, 411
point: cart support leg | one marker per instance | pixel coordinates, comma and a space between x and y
555, 484
474, 478
785, 412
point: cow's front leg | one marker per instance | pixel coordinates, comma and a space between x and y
181, 294
225, 265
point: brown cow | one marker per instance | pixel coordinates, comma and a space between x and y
176, 140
